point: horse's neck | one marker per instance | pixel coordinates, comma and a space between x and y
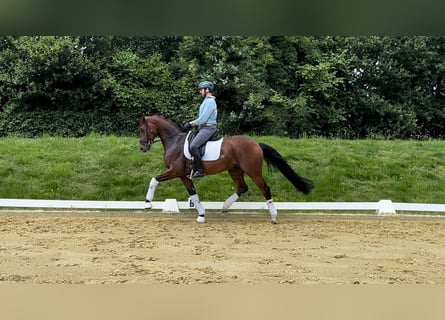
167, 130
170, 135
173, 144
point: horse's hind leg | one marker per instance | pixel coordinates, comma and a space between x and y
265, 190
194, 199
252, 165
237, 175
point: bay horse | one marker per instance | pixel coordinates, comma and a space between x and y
239, 155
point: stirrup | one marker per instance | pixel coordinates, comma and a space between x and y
196, 174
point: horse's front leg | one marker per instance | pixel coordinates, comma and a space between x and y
151, 192
195, 199
154, 183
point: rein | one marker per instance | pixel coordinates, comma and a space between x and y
148, 133
162, 139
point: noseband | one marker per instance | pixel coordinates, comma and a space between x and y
148, 134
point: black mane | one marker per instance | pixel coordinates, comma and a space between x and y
167, 118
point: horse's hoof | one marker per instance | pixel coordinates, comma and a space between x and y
274, 221
225, 211
147, 204
201, 219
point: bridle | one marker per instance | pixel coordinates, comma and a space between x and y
149, 141
148, 134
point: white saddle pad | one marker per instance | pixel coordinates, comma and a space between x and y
212, 152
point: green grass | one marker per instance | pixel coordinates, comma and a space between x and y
113, 168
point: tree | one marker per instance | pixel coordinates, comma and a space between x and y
139, 85
350, 87
381, 91
43, 75
237, 66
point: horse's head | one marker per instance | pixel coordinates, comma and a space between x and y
147, 134
154, 126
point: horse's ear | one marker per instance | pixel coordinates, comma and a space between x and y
143, 117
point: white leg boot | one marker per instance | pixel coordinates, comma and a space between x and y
201, 211
230, 200
272, 210
151, 192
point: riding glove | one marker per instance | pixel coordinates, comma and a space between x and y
186, 127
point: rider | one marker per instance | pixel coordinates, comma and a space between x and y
206, 122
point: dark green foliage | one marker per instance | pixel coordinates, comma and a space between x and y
294, 86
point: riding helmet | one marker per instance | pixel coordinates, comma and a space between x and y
206, 84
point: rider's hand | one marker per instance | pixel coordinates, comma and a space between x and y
186, 127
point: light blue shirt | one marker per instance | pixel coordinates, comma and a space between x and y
207, 111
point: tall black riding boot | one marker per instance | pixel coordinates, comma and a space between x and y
197, 166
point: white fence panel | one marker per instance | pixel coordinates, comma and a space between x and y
420, 207
172, 205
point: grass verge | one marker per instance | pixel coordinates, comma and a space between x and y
113, 168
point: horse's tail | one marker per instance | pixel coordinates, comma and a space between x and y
276, 160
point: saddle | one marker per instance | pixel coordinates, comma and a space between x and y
209, 151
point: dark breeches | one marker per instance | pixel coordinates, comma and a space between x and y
204, 134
